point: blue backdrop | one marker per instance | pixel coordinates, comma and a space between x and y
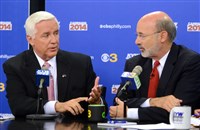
103, 29
13, 14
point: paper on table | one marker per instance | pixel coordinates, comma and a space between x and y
150, 126
115, 124
6, 116
195, 121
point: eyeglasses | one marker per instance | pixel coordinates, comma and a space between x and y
142, 36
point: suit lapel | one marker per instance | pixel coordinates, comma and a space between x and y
63, 72
31, 65
167, 70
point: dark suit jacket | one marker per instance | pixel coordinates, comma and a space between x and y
180, 77
22, 91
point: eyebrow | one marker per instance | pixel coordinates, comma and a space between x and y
139, 33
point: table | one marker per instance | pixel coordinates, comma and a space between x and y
56, 124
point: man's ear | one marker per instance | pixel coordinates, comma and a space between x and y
164, 36
30, 40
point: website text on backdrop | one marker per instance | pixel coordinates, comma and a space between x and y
75, 84
178, 71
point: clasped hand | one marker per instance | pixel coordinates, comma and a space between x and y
73, 106
118, 110
166, 102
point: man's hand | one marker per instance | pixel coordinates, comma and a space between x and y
197, 112
95, 93
117, 111
73, 106
69, 126
167, 102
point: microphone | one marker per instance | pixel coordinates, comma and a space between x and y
41, 83
130, 79
42, 80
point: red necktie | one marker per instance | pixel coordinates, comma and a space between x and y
154, 79
50, 88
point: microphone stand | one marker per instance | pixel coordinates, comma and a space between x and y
122, 94
124, 108
39, 101
40, 98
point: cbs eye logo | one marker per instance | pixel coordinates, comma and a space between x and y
2, 87
109, 57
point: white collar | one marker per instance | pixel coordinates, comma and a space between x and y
52, 61
162, 60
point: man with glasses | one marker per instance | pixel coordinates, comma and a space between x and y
173, 82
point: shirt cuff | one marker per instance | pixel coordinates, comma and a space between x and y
146, 103
49, 107
132, 113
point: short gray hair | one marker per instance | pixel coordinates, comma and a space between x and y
35, 18
167, 25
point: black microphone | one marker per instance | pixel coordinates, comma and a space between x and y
130, 79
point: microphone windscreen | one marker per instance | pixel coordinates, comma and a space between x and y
137, 70
132, 78
42, 74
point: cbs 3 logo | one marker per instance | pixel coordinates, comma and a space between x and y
2, 87
103, 114
89, 114
109, 57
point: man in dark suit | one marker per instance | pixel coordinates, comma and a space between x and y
74, 79
178, 71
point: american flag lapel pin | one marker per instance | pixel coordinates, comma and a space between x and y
64, 75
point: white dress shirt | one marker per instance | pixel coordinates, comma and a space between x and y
49, 107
